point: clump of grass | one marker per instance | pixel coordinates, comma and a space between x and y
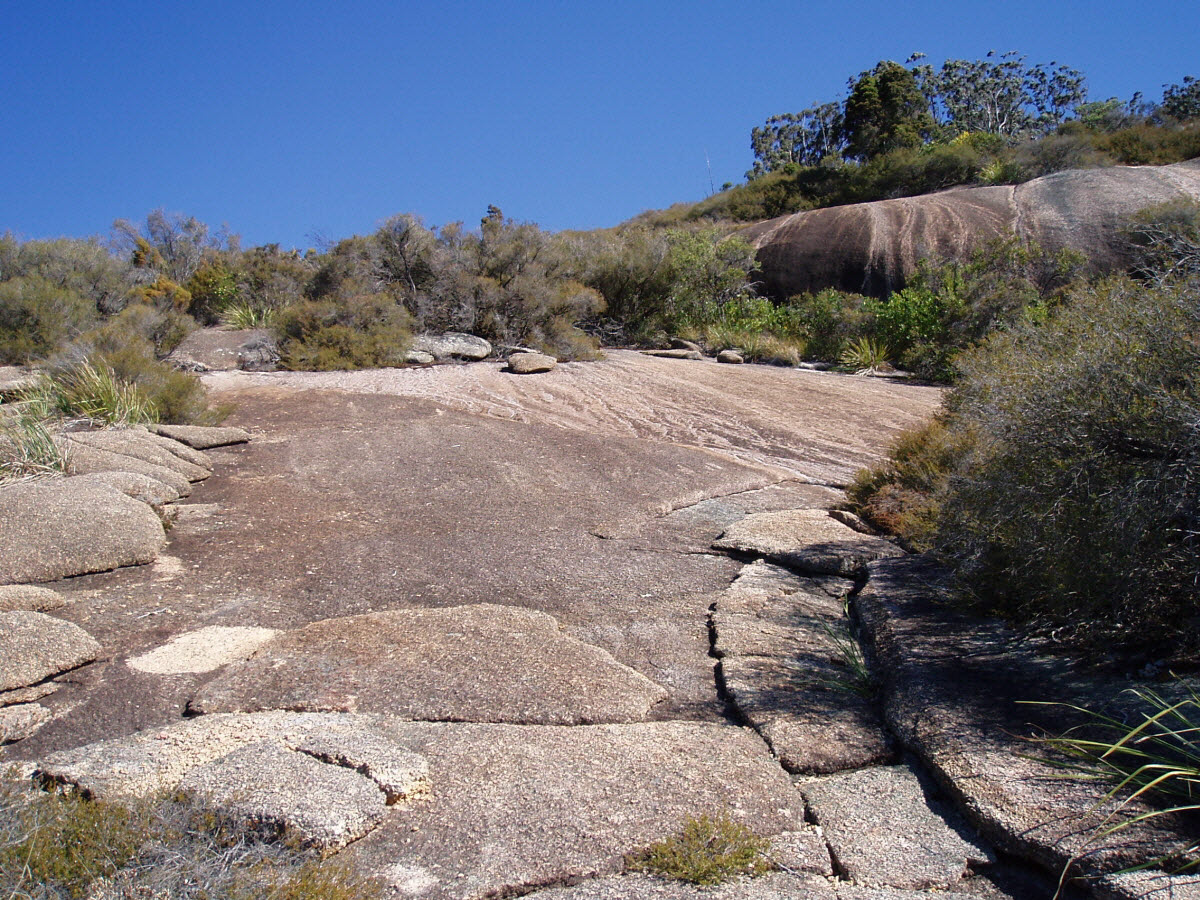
866, 356
245, 315
1156, 759
853, 675
55, 846
28, 448
708, 850
95, 392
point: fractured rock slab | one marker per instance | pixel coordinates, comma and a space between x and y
884, 832
138, 486
954, 685
35, 646
583, 796
87, 460
786, 652
204, 650
140, 444
483, 663
59, 527
810, 540
201, 437
28, 596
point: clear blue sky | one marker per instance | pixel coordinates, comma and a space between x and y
292, 120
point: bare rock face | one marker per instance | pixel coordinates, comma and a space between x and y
872, 248
133, 484
480, 663
21, 720
57, 528
453, 345
530, 363
28, 596
810, 540
36, 646
151, 448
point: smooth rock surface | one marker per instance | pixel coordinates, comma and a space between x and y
806, 539
531, 363
873, 248
452, 345
204, 650
35, 646
28, 596
882, 830
203, 437
51, 529
481, 663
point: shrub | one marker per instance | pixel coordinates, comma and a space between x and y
359, 332
866, 356
830, 320
37, 317
708, 850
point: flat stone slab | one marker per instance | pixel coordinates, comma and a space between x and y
954, 687
676, 353
482, 663
136, 485
21, 720
202, 437
517, 806
28, 596
883, 831
56, 528
35, 646
204, 650
810, 540
87, 460
783, 641
151, 448
647, 887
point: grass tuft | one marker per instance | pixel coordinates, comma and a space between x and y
866, 356
28, 448
244, 315
96, 393
708, 850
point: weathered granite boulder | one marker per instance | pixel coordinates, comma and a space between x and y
85, 459
61, 527
480, 663
530, 363
731, 357
873, 248
418, 358
151, 448
452, 345
810, 540
202, 437
133, 484
681, 344
223, 349
22, 720
35, 647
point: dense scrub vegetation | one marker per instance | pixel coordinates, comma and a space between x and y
1062, 478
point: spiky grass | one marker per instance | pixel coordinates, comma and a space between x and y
708, 850
866, 356
244, 315
1156, 760
28, 447
96, 393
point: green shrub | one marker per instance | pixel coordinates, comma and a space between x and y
830, 320
708, 850
38, 317
358, 332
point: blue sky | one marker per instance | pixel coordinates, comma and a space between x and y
296, 121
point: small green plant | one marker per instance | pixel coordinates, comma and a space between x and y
244, 315
96, 393
853, 675
28, 447
708, 850
1156, 759
866, 356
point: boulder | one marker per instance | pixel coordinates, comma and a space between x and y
15, 379
35, 647
224, 349
681, 344
481, 663
452, 345
201, 437
675, 354
60, 527
730, 356
529, 363
28, 596
418, 358
21, 721
809, 540
873, 248
884, 831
